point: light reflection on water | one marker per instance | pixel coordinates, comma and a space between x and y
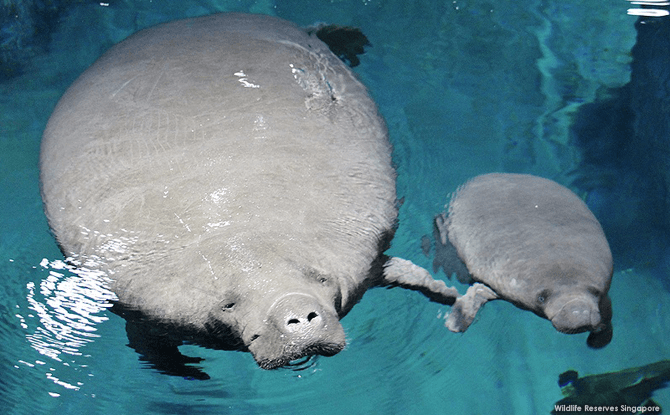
68, 303
654, 8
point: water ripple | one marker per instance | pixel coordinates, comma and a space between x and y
68, 303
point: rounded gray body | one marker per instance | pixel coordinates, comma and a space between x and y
534, 243
230, 175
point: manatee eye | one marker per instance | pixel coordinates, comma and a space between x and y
542, 296
228, 301
317, 276
594, 291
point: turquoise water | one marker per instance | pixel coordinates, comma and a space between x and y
467, 87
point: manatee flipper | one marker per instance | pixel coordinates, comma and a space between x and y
464, 310
600, 338
156, 346
446, 255
404, 273
162, 353
442, 227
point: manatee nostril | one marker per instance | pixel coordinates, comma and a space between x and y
298, 321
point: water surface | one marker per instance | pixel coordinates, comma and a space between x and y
467, 87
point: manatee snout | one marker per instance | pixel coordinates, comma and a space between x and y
577, 315
296, 325
302, 316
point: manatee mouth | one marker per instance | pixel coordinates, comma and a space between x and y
577, 316
288, 359
296, 325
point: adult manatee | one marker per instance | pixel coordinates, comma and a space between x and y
534, 243
233, 179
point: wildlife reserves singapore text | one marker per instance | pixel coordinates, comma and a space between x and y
609, 409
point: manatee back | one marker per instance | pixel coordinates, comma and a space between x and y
201, 153
513, 230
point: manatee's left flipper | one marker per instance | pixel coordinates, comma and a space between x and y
446, 255
403, 273
603, 336
464, 311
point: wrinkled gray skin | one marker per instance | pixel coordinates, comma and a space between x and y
534, 243
233, 179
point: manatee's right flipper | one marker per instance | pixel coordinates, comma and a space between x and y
161, 352
403, 273
464, 310
603, 336
155, 346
